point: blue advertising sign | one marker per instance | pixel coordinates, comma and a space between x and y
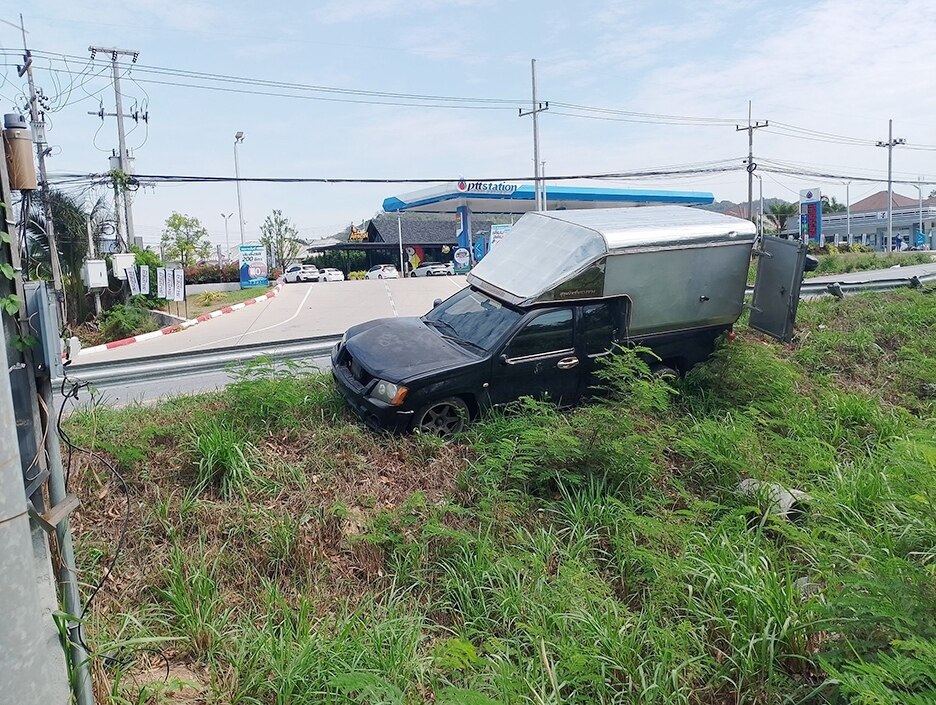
253, 266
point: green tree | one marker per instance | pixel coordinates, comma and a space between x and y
281, 240
781, 212
70, 218
831, 205
184, 239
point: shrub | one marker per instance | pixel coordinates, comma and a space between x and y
125, 320
207, 298
212, 273
357, 275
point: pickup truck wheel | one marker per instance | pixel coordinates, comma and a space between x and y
664, 371
443, 417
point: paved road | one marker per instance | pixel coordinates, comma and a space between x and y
299, 311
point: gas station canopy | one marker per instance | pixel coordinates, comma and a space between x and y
499, 197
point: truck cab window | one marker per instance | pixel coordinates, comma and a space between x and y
599, 327
548, 332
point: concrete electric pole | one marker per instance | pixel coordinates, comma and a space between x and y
238, 138
124, 160
536, 108
750, 158
890, 144
42, 151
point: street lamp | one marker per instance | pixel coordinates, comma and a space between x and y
238, 138
227, 241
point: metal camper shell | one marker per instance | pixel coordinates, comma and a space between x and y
680, 268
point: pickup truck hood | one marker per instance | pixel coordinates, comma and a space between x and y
398, 349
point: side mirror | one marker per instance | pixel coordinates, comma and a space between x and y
436, 303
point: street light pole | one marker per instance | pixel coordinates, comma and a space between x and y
848, 213
227, 241
238, 138
890, 144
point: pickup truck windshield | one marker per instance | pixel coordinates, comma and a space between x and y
475, 317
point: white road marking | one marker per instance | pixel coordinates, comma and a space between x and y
392, 304
241, 336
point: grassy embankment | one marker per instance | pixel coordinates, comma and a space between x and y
287, 555
847, 262
209, 301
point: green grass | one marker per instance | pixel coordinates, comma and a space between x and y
843, 263
213, 300
602, 555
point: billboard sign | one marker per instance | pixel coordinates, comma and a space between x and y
253, 266
810, 215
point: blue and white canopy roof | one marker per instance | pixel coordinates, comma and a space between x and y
500, 197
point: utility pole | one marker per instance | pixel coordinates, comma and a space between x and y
42, 151
536, 108
750, 158
890, 144
848, 213
920, 190
238, 138
121, 134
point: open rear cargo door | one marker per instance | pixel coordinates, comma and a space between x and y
780, 266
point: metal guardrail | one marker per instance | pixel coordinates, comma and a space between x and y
199, 362
207, 361
841, 289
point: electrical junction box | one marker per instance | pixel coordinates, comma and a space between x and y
94, 274
45, 323
121, 261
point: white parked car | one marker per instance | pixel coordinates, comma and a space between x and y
430, 269
329, 274
383, 271
301, 273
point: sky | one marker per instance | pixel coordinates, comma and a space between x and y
842, 67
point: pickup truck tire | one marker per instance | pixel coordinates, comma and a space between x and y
442, 417
663, 371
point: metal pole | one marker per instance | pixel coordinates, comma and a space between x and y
400, 237
848, 212
238, 138
920, 190
536, 159
68, 575
890, 183
27, 674
227, 240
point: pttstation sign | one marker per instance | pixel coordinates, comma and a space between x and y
810, 214
485, 187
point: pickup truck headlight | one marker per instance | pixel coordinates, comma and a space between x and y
388, 392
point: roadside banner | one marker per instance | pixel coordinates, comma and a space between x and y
144, 280
161, 283
253, 266
132, 280
179, 277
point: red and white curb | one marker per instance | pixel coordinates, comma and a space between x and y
185, 324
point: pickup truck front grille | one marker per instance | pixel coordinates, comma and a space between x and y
358, 372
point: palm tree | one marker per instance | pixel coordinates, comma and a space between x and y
70, 219
780, 212
831, 205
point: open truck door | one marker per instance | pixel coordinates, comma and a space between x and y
780, 267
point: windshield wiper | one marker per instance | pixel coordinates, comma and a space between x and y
454, 334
